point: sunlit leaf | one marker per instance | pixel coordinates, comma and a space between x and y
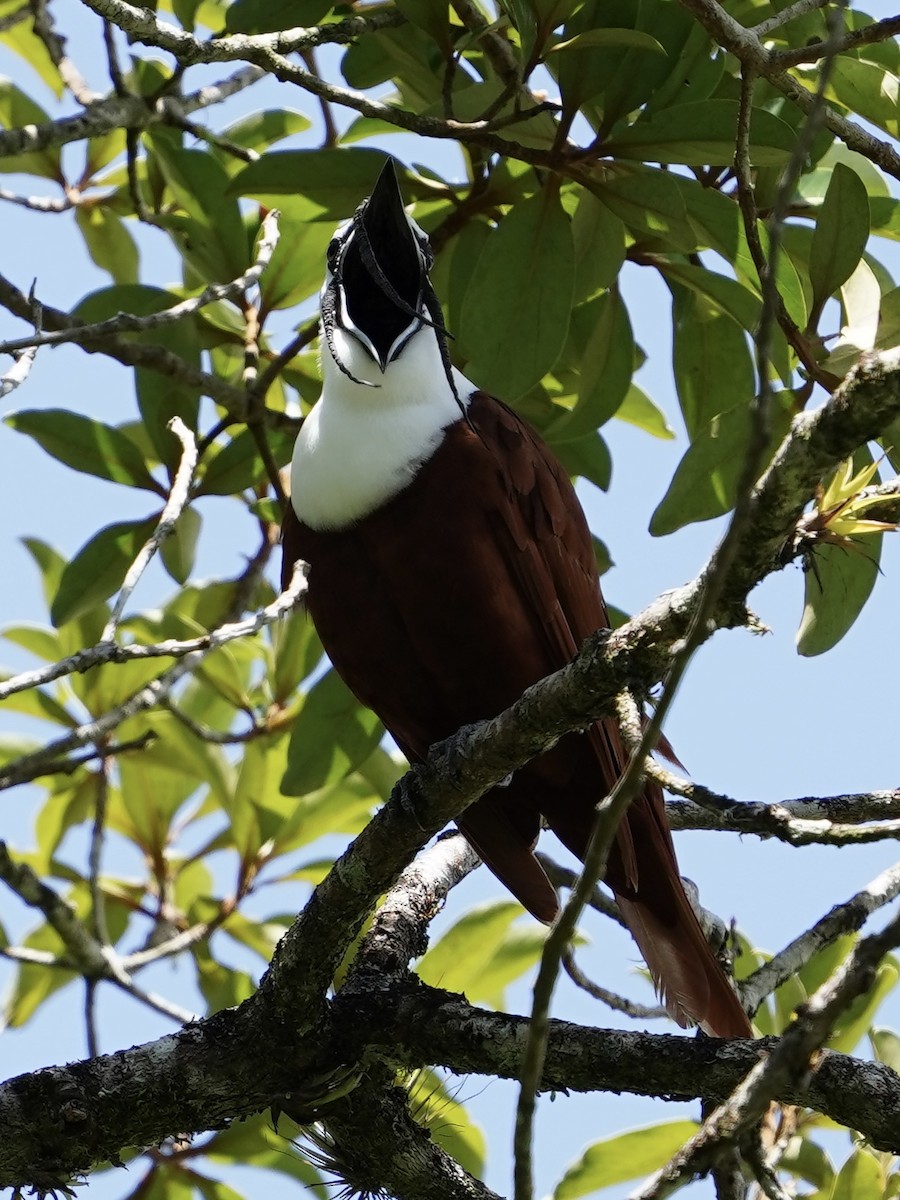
332, 734
524, 279
85, 445
618, 1159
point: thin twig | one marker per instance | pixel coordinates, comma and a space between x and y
45, 204
790, 1059
20, 370
617, 1003
129, 323
799, 9
844, 918
153, 693
56, 48
179, 494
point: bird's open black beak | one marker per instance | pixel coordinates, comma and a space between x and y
381, 273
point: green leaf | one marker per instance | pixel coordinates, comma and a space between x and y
856, 1020
430, 17
515, 317
259, 130
297, 266
253, 1142
218, 244
618, 1159
711, 357
599, 238
842, 230
85, 445
886, 1047
108, 242
24, 42
271, 16
36, 639
836, 589
604, 370
18, 111
807, 1160
519, 951
99, 567
159, 397
179, 549
330, 182
649, 202
332, 735
869, 90
239, 465
632, 38
860, 1178
703, 132
638, 409
297, 652
705, 482
456, 961
587, 456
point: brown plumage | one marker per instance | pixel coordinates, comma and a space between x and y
440, 607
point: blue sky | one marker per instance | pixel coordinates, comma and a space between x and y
752, 719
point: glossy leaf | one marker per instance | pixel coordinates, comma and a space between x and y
524, 280
632, 38
842, 230
605, 367
179, 549
18, 110
837, 586
599, 237
618, 1159
456, 961
108, 242
330, 182
332, 734
447, 1121
85, 445
860, 1178
712, 361
638, 409
857, 1018
159, 397
99, 567
218, 244
700, 133
650, 204
705, 482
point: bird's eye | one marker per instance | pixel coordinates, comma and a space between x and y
332, 252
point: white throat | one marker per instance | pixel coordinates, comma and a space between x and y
360, 445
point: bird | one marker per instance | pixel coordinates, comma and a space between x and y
450, 566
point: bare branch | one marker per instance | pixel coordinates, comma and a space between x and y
56, 48
19, 372
132, 354
179, 494
47, 204
842, 919
792, 1058
129, 323
640, 1012
745, 45
153, 693
84, 950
